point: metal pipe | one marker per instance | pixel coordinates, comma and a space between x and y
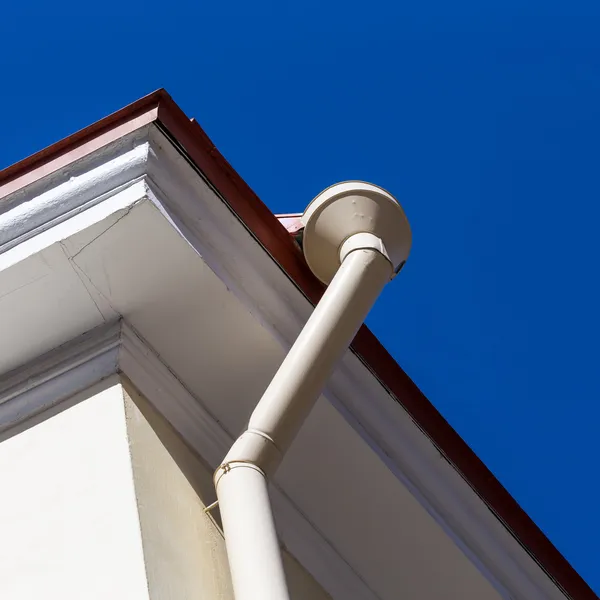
252, 548
365, 266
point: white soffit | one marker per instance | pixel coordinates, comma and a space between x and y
135, 231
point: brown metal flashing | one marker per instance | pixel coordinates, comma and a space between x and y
272, 234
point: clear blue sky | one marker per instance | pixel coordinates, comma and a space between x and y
484, 118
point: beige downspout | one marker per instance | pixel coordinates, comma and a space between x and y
356, 237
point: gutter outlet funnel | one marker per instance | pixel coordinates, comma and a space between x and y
347, 209
356, 238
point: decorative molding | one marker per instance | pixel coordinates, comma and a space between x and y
57, 376
32, 210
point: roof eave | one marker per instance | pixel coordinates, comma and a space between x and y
275, 237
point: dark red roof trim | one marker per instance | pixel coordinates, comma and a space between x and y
273, 235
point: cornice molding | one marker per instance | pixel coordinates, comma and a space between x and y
57, 376
50, 201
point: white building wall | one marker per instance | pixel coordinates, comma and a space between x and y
68, 517
104, 500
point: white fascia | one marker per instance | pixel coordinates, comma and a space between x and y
146, 166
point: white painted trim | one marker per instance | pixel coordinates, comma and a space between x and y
57, 376
27, 214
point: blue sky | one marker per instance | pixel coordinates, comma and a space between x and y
481, 117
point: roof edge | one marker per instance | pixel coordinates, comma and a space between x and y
81, 143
